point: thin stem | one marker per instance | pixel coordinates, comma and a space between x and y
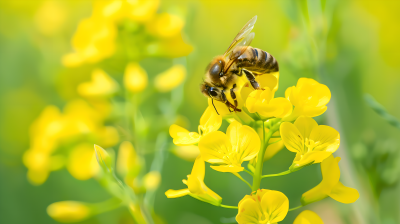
276, 136
292, 209
277, 174
228, 206
260, 157
106, 206
240, 177
248, 172
274, 142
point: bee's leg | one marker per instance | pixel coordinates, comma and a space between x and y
252, 79
233, 95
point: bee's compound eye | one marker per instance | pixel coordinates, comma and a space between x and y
213, 93
215, 69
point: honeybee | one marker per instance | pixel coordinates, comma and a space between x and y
240, 60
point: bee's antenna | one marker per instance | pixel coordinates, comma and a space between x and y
212, 100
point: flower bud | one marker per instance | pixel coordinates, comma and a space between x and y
104, 158
68, 211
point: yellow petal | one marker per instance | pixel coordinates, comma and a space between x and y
152, 180
128, 162
291, 137
166, 25
308, 217
199, 169
317, 193
101, 85
214, 146
182, 136
177, 193
245, 140
210, 121
305, 125
275, 206
252, 100
330, 172
220, 107
311, 157
141, 10
326, 138
344, 194
270, 80
68, 211
188, 153
228, 168
170, 79
249, 212
277, 107
135, 78
82, 163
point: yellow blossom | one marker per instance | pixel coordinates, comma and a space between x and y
152, 180
170, 79
312, 142
104, 159
264, 103
166, 25
135, 78
101, 85
51, 17
128, 162
107, 136
308, 97
210, 121
196, 187
308, 217
264, 206
141, 10
330, 185
93, 41
82, 163
240, 143
68, 211
188, 152
111, 10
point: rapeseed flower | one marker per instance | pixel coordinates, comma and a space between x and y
330, 185
69, 211
263, 206
264, 103
311, 142
308, 97
101, 85
240, 143
210, 121
135, 78
82, 163
196, 187
308, 217
170, 79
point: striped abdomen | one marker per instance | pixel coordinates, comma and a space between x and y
257, 61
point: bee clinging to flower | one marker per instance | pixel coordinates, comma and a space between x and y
240, 61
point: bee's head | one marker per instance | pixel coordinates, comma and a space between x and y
215, 69
213, 92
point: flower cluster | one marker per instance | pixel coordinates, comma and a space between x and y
266, 124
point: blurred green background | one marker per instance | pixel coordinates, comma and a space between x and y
350, 46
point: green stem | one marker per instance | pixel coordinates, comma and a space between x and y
240, 177
248, 172
277, 174
228, 206
260, 157
106, 206
292, 209
274, 142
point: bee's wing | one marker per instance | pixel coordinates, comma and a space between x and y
242, 39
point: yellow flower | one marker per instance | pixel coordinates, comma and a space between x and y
312, 142
264, 103
135, 78
152, 180
128, 162
330, 185
173, 47
82, 163
104, 159
93, 41
241, 143
309, 98
111, 10
51, 17
266, 206
210, 121
170, 79
101, 85
68, 211
166, 25
196, 187
141, 10
308, 217
188, 152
